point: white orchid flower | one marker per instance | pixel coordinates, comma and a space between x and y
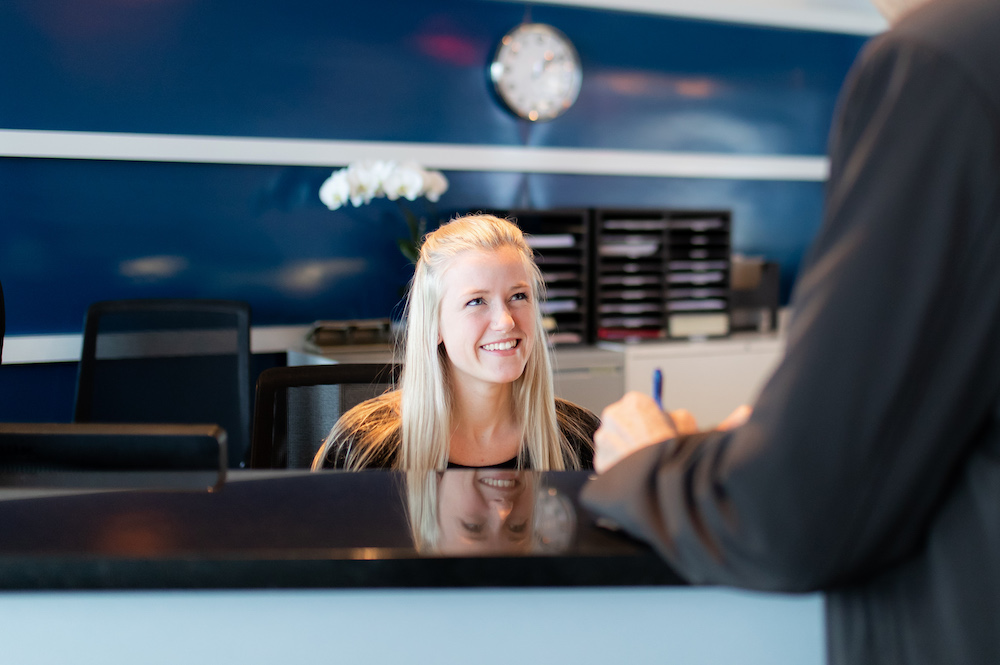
435, 184
406, 180
382, 169
335, 190
365, 182
360, 182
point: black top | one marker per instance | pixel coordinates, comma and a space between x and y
869, 467
576, 423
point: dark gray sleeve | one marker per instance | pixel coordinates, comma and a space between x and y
892, 357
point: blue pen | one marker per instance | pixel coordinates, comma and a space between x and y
658, 387
658, 396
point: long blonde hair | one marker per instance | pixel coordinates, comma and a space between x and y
417, 417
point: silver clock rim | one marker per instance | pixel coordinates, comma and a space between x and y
497, 69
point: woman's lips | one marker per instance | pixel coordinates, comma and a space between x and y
500, 483
500, 479
504, 345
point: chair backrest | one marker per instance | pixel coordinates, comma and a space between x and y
168, 361
296, 407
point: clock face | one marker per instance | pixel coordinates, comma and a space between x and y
536, 71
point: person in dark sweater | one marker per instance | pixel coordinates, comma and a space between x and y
870, 465
476, 386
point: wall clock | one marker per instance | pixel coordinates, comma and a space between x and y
536, 71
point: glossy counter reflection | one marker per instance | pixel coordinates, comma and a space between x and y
487, 512
294, 529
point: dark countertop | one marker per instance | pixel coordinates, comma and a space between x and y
320, 530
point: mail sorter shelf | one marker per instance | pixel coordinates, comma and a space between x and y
561, 243
661, 273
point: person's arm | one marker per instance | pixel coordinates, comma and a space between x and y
891, 364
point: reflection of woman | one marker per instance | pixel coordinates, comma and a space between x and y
486, 511
476, 388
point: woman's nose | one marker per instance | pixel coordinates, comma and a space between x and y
502, 320
504, 507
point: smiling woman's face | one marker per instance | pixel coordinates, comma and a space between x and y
487, 318
485, 511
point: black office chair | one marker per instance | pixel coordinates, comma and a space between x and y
296, 407
168, 361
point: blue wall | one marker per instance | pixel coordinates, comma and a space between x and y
76, 231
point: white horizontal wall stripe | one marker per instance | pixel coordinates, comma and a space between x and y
445, 156
23, 349
854, 17
20, 349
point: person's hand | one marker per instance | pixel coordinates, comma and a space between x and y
631, 423
684, 421
635, 421
739, 416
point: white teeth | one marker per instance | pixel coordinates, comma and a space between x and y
498, 482
501, 346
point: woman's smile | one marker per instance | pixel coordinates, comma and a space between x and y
501, 346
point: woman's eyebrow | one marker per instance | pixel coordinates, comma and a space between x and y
479, 291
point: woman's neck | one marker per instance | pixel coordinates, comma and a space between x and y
484, 428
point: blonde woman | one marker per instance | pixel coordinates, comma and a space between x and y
476, 387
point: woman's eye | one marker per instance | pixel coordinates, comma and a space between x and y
519, 296
472, 527
474, 302
517, 528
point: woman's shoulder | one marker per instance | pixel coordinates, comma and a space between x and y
367, 435
567, 412
378, 408
578, 425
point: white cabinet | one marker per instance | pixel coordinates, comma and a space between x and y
588, 376
709, 378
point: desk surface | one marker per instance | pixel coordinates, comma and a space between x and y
321, 530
